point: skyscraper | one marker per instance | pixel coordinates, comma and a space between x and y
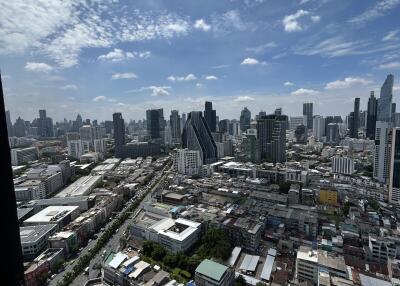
155, 125
385, 101
371, 116
308, 113
394, 168
197, 136
119, 129
210, 116
318, 127
271, 136
45, 124
355, 119
382, 149
9, 124
183, 121
245, 118
175, 125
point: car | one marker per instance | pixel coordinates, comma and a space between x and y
87, 270
53, 276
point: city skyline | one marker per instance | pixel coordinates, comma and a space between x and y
178, 55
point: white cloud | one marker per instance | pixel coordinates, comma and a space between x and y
62, 29
229, 21
69, 87
128, 75
304, 91
37, 67
396, 88
252, 62
391, 36
99, 98
188, 77
347, 83
298, 21
261, 48
210, 77
118, 55
392, 65
199, 85
244, 98
379, 9
202, 25
159, 90
288, 83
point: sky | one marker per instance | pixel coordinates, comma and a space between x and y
98, 57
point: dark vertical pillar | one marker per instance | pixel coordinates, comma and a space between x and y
11, 264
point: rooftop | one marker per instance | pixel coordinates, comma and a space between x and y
52, 214
211, 269
29, 234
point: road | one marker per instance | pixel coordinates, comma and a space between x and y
113, 243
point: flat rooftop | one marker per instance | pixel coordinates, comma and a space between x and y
81, 187
51, 214
30, 234
211, 269
178, 229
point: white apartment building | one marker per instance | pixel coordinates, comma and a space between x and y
188, 162
382, 150
343, 165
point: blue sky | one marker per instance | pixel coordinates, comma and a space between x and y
97, 57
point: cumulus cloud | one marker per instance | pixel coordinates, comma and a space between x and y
118, 55
99, 98
392, 65
202, 25
189, 77
288, 83
252, 62
298, 21
304, 91
128, 75
159, 90
69, 87
244, 98
37, 67
347, 83
210, 77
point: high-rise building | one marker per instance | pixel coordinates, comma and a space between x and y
355, 119
210, 116
188, 162
74, 144
245, 118
342, 165
308, 113
9, 124
119, 129
296, 121
45, 124
175, 125
183, 121
271, 136
300, 133
394, 169
384, 112
278, 111
223, 126
371, 116
155, 125
197, 136
382, 150
318, 127
19, 127
332, 133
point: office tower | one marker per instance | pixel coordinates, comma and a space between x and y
354, 119
332, 133
384, 112
223, 126
371, 116
45, 124
183, 121
363, 119
19, 127
74, 144
12, 265
175, 125
155, 125
296, 121
210, 116
9, 124
234, 128
108, 125
300, 133
382, 149
271, 136
119, 129
197, 136
278, 111
245, 118
318, 127
343, 165
308, 113
394, 168
260, 114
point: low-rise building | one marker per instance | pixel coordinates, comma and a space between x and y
81, 187
58, 215
210, 273
34, 239
328, 196
21, 156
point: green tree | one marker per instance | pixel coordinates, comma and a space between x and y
158, 252
215, 243
240, 281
